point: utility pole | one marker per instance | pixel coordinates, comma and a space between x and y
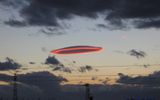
15, 96
88, 94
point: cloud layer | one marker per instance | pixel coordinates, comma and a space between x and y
142, 13
152, 80
137, 53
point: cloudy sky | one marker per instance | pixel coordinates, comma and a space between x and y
127, 30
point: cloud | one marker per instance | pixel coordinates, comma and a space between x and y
52, 31
9, 64
152, 80
32, 63
57, 65
33, 85
128, 9
52, 60
15, 23
86, 68
63, 69
13, 3
36, 85
46, 13
117, 13
102, 26
4, 77
43, 77
149, 23
137, 53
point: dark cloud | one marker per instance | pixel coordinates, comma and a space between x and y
32, 63
137, 53
102, 26
114, 24
36, 85
89, 67
4, 77
63, 69
134, 9
85, 69
52, 60
43, 77
146, 65
152, 80
57, 65
52, 31
128, 9
148, 23
9, 64
48, 12
13, 3
15, 23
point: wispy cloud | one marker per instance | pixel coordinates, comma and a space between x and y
86, 68
137, 53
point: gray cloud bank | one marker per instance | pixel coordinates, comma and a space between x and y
142, 13
152, 80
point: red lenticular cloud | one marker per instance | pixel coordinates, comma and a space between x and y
77, 50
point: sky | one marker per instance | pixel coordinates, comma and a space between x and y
127, 30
